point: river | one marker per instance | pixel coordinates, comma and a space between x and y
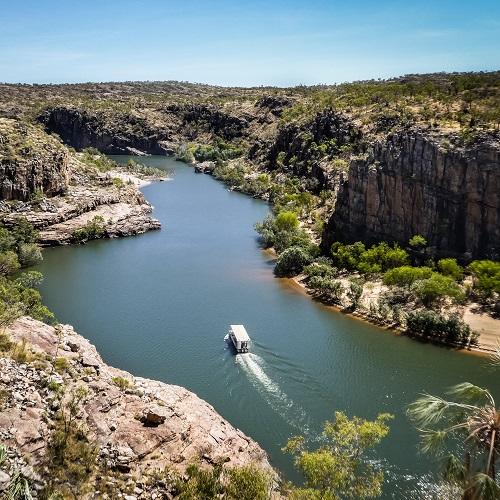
159, 305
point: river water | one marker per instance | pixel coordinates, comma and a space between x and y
159, 305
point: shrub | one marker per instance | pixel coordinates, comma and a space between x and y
436, 288
417, 241
406, 275
320, 269
121, 382
430, 325
486, 274
347, 256
292, 261
354, 292
450, 267
29, 254
92, 230
328, 288
9, 263
118, 182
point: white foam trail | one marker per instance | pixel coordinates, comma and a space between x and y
295, 416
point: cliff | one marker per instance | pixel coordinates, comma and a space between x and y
141, 429
412, 183
30, 161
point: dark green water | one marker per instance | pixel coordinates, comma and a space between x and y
159, 305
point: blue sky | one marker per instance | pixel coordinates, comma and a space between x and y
273, 42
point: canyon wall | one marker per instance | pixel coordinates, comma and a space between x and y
30, 161
411, 184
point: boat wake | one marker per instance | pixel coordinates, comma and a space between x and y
294, 415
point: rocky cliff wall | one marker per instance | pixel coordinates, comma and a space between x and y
110, 133
30, 161
410, 184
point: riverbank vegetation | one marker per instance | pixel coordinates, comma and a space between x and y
382, 282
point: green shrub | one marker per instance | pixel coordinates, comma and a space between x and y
347, 256
430, 325
436, 288
292, 261
9, 263
327, 288
417, 241
486, 274
406, 275
94, 229
121, 382
354, 292
29, 254
320, 269
450, 267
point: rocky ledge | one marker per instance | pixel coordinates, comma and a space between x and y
138, 425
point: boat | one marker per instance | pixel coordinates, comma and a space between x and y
239, 338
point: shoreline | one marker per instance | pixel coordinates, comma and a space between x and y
298, 285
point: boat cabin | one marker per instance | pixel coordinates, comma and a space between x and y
239, 337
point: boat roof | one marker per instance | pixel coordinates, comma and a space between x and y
240, 333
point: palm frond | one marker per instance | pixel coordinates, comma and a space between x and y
454, 471
495, 357
428, 410
433, 441
484, 487
470, 392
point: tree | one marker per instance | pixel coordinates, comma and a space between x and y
486, 274
340, 467
292, 261
354, 292
417, 242
29, 254
286, 221
433, 290
473, 419
9, 263
406, 275
23, 231
450, 267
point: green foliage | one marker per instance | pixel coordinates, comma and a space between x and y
433, 290
340, 467
283, 231
237, 483
29, 254
219, 152
377, 258
9, 263
327, 288
72, 456
118, 182
354, 292
417, 241
472, 420
486, 274
94, 158
432, 326
321, 269
23, 231
450, 267
406, 275
122, 383
94, 229
291, 261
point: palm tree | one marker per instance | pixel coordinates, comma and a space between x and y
473, 419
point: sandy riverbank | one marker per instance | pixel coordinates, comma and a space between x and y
487, 327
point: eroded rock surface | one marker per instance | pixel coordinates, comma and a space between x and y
142, 426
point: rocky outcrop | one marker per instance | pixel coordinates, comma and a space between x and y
110, 133
30, 162
124, 210
139, 425
411, 184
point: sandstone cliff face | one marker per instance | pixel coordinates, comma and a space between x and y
30, 161
118, 134
410, 184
